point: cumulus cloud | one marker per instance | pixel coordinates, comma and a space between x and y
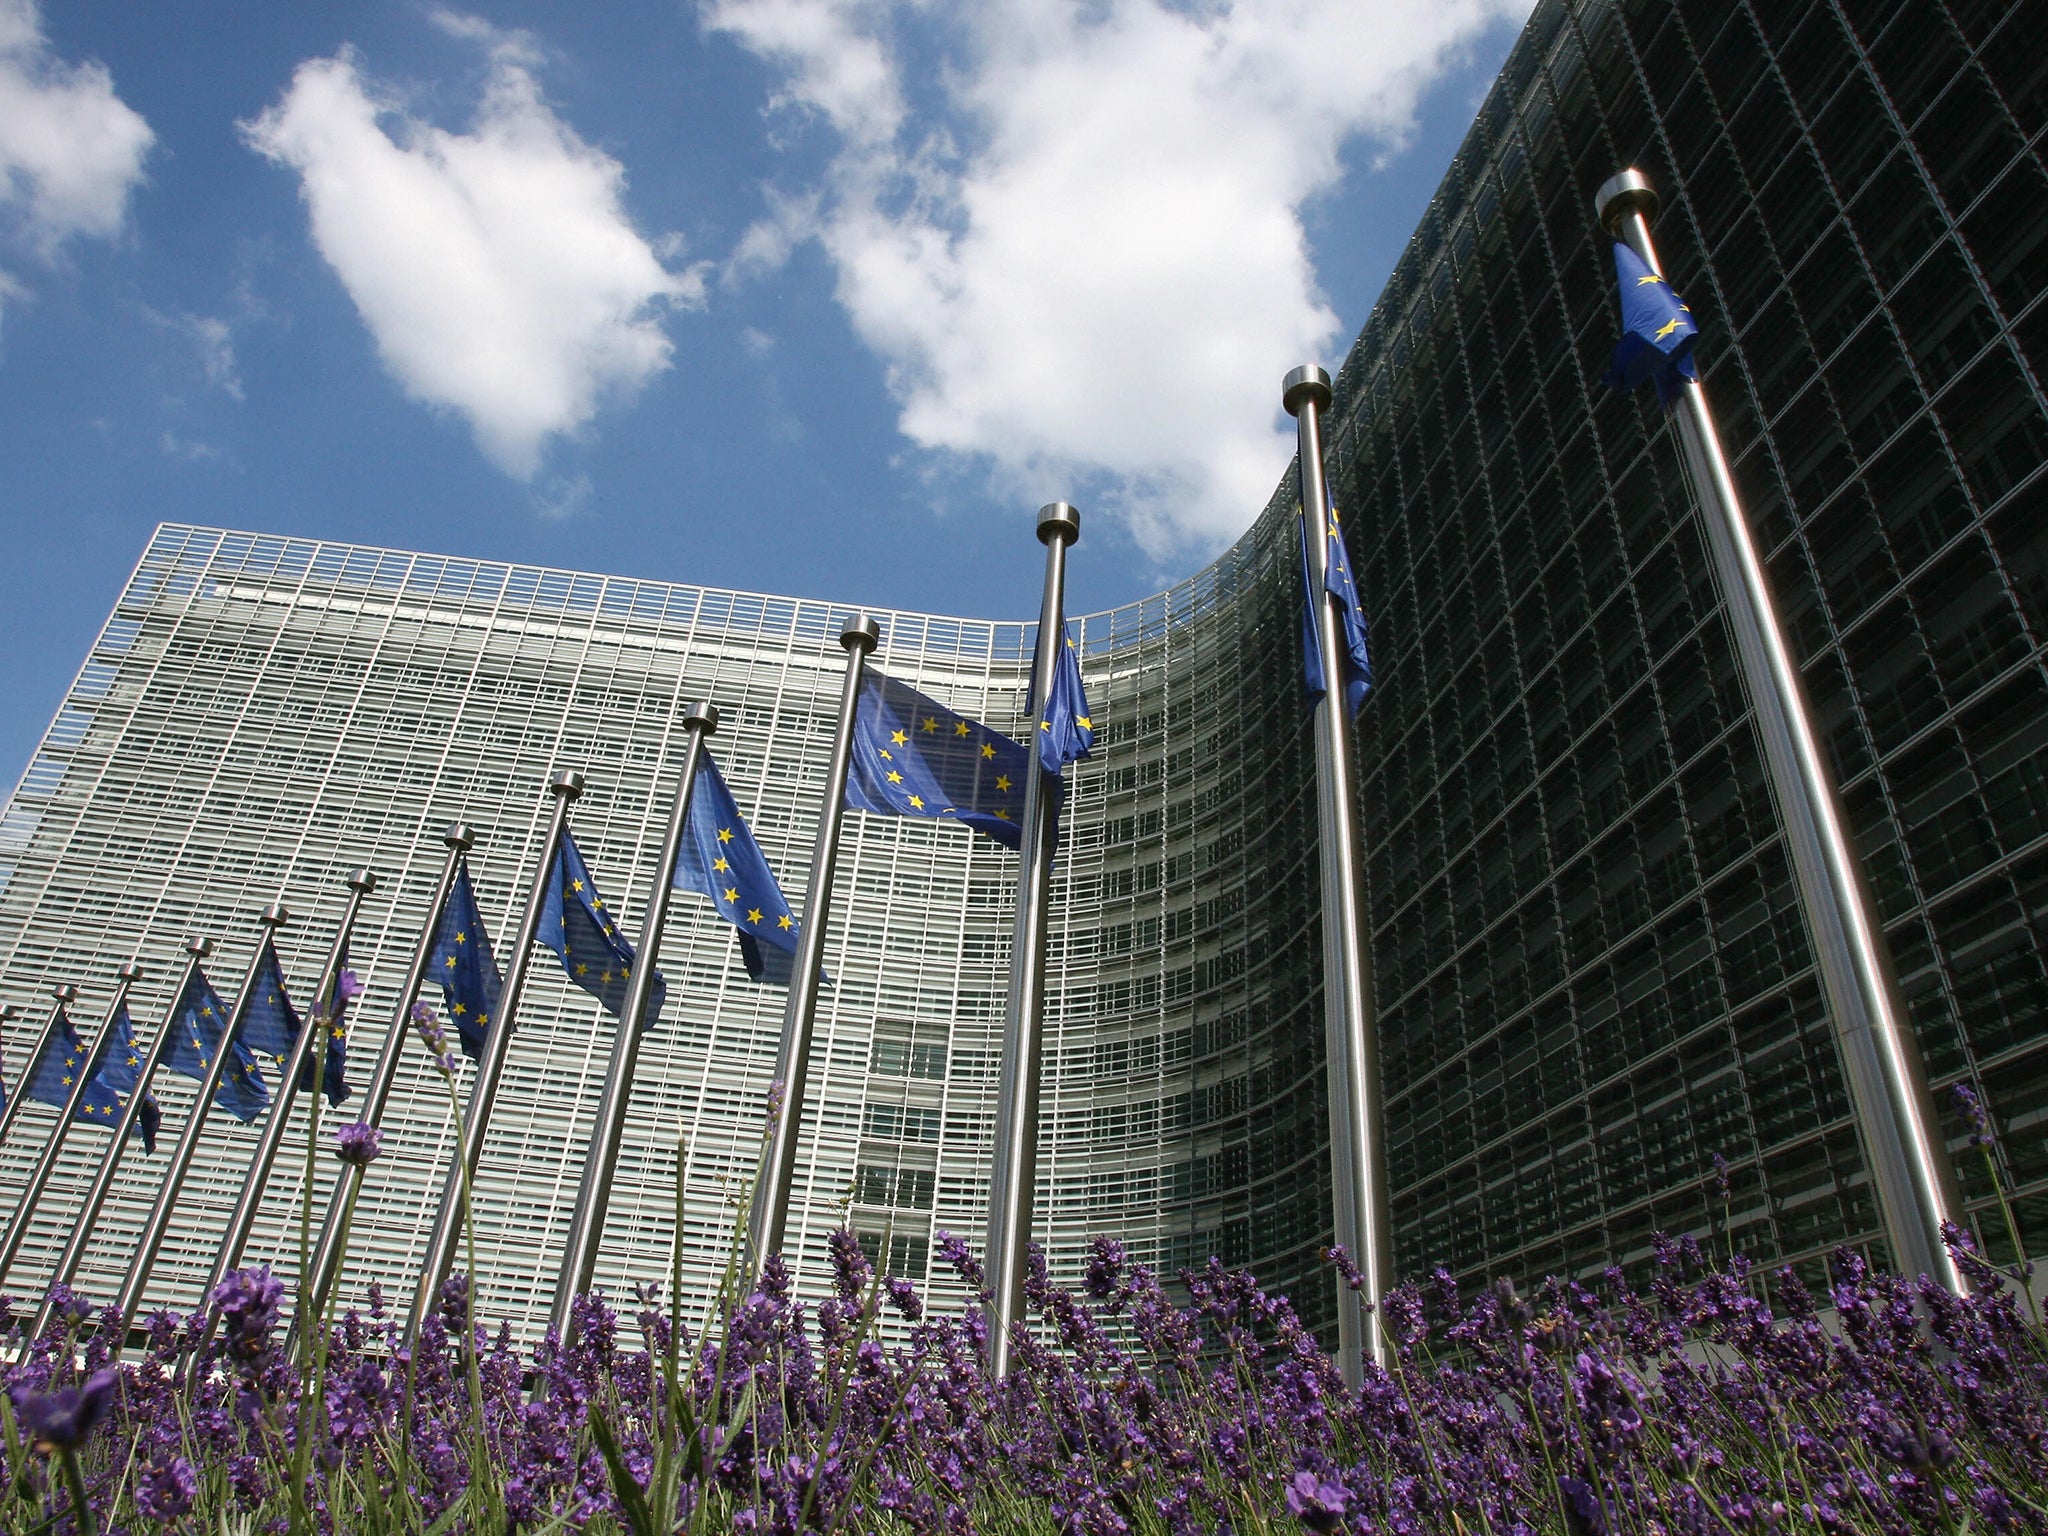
496, 269
1073, 231
71, 151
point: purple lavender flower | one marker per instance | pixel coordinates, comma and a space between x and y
903, 1296
348, 987
166, 1489
434, 1036
1971, 1107
358, 1143
1317, 1504
851, 1271
60, 1420
956, 1253
1584, 1515
248, 1304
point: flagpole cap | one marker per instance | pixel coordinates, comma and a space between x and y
701, 717
363, 880
1059, 520
1306, 383
129, 972
276, 915
64, 992
8, 1013
862, 633
197, 945
568, 784
1622, 194
459, 836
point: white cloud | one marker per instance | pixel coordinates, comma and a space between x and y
71, 151
496, 269
1081, 252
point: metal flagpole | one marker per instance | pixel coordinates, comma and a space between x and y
1014, 1179
586, 1227
327, 1256
1363, 1223
565, 786
136, 1283
38, 1180
88, 1217
64, 993
770, 1213
360, 883
1909, 1163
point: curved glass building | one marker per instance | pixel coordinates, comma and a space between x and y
1591, 972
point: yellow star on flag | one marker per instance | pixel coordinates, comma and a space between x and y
753, 914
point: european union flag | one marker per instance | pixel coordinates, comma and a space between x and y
335, 1079
1065, 732
1657, 332
464, 965
1356, 661
912, 756
60, 1066
120, 1067
272, 1024
720, 859
575, 924
198, 1024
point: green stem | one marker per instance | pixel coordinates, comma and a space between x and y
74, 1482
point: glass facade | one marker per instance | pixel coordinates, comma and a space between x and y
1591, 973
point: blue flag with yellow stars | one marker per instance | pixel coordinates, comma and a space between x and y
720, 859
1657, 332
120, 1067
335, 1079
1066, 734
198, 1023
464, 965
60, 1066
272, 1024
1356, 661
912, 756
577, 926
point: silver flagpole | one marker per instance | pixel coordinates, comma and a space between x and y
327, 1256
586, 1227
1014, 1180
565, 786
770, 1213
87, 1220
64, 993
1909, 1163
1363, 1224
135, 1284
38, 1180
360, 883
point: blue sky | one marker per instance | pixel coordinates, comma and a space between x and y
821, 297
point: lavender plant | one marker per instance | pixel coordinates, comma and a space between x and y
1682, 1406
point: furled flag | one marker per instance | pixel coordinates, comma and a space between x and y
1352, 655
464, 965
334, 1081
271, 1024
912, 756
1066, 734
577, 926
120, 1067
1657, 332
198, 1023
720, 859
51, 1079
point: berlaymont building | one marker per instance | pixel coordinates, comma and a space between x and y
1590, 970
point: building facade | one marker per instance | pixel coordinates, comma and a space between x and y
1590, 971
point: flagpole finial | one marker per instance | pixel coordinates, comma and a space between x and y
568, 784
363, 880
460, 837
129, 972
197, 945
1622, 194
862, 633
701, 717
1059, 520
64, 992
8, 1013
1308, 383
276, 915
